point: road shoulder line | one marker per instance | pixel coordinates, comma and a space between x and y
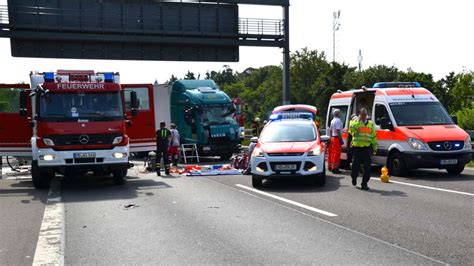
50, 245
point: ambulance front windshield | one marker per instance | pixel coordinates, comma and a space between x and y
420, 113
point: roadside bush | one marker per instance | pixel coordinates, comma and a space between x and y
466, 118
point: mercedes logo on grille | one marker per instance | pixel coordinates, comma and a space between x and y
447, 145
84, 139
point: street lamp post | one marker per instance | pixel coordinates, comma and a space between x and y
335, 27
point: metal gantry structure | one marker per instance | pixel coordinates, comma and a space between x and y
179, 30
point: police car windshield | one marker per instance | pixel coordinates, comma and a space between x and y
288, 132
420, 113
62, 107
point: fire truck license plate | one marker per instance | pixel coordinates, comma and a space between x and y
447, 162
283, 167
82, 155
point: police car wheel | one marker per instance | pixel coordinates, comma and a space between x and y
320, 180
120, 176
455, 170
257, 181
41, 179
396, 165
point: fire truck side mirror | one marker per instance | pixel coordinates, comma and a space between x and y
23, 102
134, 103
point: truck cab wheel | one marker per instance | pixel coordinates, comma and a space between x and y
455, 170
41, 179
257, 181
396, 165
120, 176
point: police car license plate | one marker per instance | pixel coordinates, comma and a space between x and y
84, 155
285, 167
448, 162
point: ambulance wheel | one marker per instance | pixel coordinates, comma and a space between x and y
455, 170
257, 181
396, 165
120, 176
41, 179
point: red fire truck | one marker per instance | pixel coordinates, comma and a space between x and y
68, 122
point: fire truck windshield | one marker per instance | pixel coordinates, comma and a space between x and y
62, 107
420, 113
217, 115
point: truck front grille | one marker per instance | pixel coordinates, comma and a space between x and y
92, 139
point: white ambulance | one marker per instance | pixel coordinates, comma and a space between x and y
413, 128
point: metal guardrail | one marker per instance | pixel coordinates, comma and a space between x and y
85, 20
248, 26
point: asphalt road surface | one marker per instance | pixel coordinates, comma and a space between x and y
426, 218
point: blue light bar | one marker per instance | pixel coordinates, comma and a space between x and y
48, 77
109, 77
383, 85
275, 117
291, 115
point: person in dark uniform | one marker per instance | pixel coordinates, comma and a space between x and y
163, 137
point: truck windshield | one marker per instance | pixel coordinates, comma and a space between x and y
420, 113
217, 115
60, 107
286, 132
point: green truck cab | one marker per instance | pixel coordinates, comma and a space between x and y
204, 115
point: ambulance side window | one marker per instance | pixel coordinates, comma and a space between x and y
380, 113
343, 116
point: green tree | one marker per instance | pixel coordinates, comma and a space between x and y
189, 76
462, 93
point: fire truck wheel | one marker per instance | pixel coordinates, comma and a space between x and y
257, 181
455, 170
120, 176
396, 164
41, 179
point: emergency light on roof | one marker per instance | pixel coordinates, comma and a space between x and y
383, 85
109, 77
291, 115
48, 77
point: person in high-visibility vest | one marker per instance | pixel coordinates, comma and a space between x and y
163, 137
364, 144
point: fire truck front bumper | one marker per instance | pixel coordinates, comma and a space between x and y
50, 157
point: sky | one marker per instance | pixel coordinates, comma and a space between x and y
427, 36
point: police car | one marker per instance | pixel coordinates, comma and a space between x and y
288, 147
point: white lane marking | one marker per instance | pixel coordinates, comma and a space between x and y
426, 187
50, 246
335, 224
288, 201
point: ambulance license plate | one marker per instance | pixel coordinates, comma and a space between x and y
449, 162
84, 155
285, 167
